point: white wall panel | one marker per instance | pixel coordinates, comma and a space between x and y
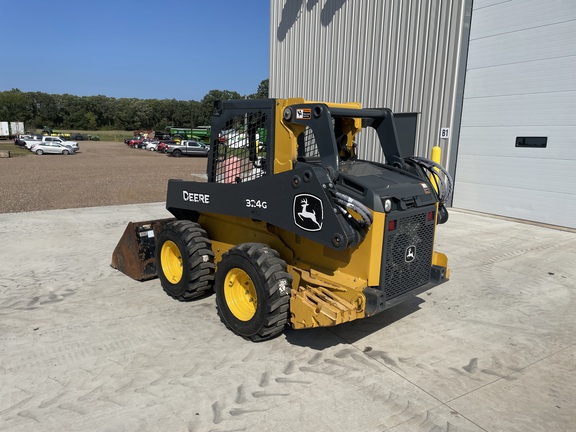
523, 175
537, 109
507, 17
509, 79
539, 43
499, 142
553, 208
480, 4
520, 81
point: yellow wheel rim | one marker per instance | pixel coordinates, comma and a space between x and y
240, 294
171, 260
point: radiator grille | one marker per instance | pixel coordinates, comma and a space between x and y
413, 233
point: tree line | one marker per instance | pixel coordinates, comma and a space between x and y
38, 110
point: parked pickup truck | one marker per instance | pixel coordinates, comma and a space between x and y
188, 148
30, 142
20, 140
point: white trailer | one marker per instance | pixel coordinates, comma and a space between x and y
4, 130
16, 128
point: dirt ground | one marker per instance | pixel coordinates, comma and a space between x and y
103, 173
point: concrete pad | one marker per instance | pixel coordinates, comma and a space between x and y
84, 347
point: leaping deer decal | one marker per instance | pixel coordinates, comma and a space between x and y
305, 214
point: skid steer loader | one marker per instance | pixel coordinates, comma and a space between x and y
291, 228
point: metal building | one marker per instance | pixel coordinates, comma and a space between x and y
487, 80
407, 55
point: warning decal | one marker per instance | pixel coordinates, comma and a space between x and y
303, 113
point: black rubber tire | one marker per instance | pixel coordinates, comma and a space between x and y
176, 153
39, 152
272, 283
197, 260
65, 152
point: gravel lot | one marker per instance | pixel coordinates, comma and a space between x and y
101, 174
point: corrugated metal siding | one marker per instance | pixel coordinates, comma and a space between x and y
407, 55
521, 81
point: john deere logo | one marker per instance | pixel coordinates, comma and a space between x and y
410, 254
308, 212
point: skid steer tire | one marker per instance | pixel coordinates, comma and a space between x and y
184, 260
253, 291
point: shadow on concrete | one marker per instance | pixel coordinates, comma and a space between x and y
352, 332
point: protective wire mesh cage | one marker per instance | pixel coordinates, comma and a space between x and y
307, 146
241, 154
308, 150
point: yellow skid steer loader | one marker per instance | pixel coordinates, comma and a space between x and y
292, 228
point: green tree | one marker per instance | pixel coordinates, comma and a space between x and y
15, 106
262, 92
66, 111
74, 108
124, 114
207, 103
90, 122
195, 114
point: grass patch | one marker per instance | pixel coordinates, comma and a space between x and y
13, 149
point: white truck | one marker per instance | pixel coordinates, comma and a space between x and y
31, 142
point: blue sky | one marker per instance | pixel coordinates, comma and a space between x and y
168, 49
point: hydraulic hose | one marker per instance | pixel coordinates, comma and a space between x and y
446, 183
349, 202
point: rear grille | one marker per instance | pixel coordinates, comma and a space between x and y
413, 233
